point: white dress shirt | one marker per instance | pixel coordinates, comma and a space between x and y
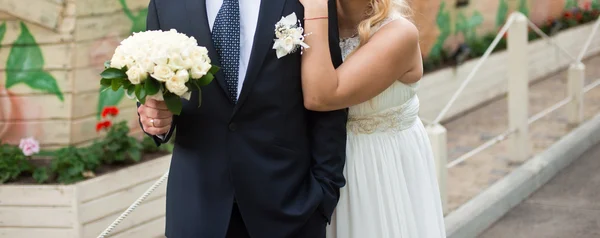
249, 10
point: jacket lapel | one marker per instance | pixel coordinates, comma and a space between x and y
196, 11
270, 13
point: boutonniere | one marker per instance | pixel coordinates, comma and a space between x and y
289, 36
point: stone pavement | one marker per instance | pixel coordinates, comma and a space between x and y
567, 206
468, 131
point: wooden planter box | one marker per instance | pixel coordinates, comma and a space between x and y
85, 209
437, 87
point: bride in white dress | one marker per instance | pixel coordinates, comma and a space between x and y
391, 189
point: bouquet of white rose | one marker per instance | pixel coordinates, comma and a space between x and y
162, 65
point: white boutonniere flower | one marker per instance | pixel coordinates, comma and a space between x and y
289, 36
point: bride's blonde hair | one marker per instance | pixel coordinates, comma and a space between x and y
377, 12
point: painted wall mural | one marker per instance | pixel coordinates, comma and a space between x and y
25, 64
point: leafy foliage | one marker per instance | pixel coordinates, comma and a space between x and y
71, 163
118, 146
13, 163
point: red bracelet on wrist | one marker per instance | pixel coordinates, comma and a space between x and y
315, 18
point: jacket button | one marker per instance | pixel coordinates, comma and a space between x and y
232, 127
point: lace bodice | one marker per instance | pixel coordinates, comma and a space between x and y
394, 109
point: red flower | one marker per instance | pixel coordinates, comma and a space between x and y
568, 15
103, 125
587, 6
579, 16
112, 110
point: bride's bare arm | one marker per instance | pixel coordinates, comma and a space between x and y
389, 55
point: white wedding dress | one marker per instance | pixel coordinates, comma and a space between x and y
391, 190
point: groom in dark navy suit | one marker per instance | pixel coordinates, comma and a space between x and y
251, 161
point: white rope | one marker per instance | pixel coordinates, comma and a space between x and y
550, 40
589, 41
481, 148
480, 62
133, 206
591, 86
549, 110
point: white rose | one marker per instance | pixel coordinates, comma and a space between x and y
176, 62
176, 86
147, 65
162, 73
136, 74
198, 53
188, 63
199, 70
118, 61
182, 75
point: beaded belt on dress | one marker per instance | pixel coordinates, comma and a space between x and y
394, 119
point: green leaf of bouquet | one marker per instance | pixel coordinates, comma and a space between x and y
116, 84
105, 82
131, 89
25, 64
173, 102
108, 98
125, 83
205, 80
214, 69
140, 93
112, 73
152, 86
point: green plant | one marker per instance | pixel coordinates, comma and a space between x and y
443, 24
12, 163
468, 26
118, 147
523, 8
595, 5
570, 4
501, 13
71, 164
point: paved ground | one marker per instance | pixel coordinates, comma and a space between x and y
567, 206
473, 129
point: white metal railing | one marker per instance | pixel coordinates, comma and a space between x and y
518, 94
519, 121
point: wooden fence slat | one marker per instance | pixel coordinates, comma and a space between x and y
45, 13
59, 217
34, 195
35, 232
109, 184
82, 102
56, 57
148, 211
94, 7
84, 129
117, 202
63, 80
153, 229
40, 107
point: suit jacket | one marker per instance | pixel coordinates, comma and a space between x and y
280, 162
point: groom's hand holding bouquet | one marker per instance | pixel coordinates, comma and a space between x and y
158, 69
